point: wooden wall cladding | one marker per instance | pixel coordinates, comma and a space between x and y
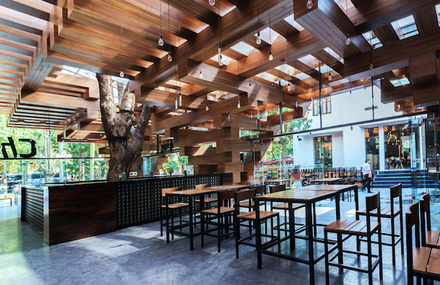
79, 211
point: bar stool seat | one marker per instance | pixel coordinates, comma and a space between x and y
384, 212
249, 204
215, 211
253, 215
354, 227
432, 238
175, 206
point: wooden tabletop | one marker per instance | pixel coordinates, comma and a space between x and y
327, 180
328, 187
207, 190
298, 195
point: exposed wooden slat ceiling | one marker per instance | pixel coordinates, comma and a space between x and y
38, 37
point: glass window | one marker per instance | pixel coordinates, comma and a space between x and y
323, 151
372, 147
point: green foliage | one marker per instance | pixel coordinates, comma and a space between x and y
293, 126
176, 162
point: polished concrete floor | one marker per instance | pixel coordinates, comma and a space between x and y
138, 255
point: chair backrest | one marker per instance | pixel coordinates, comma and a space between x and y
412, 219
425, 216
200, 186
372, 203
260, 190
169, 190
226, 195
396, 192
244, 195
278, 188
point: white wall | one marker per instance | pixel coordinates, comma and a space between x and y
337, 150
348, 107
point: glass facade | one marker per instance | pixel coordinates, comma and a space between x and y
372, 147
323, 152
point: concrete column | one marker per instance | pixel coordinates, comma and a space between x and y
381, 149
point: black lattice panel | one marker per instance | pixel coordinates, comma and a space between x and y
139, 201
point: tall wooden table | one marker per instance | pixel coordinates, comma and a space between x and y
308, 196
190, 194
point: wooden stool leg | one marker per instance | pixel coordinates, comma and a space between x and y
393, 245
327, 267
401, 231
370, 261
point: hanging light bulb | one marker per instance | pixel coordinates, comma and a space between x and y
250, 87
121, 74
229, 117
309, 4
170, 58
207, 108
348, 40
296, 103
201, 75
160, 42
258, 41
220, 62
270, 56
219, 52
289, 88
180, 98
371, 65
329, 76
211, 2
175, 104
238, 104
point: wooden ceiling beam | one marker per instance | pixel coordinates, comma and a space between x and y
204, 46
426, 19
392, 56
386, 34
284, 29
328, 23
194, 9
161, 98
379, 13
19, 7
393, 94
424, 69
297, 46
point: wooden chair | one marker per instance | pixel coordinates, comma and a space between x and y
356, 228
250, 216
208, 200
422, 262
259, 190
390, 213
430, 238
285, 207
222, 214
172, 207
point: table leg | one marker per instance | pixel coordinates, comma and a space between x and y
167, 218
258, 234
338, 216
291, 227
309, 226
191, 230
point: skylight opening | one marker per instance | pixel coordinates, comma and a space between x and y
372, 39
267, 76
324, 68
405, 27
309, 60
243, 48
302, 76
285, 68
400, 82
293, 23
268, 35
78, 72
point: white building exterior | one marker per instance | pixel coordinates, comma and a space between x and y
348, 142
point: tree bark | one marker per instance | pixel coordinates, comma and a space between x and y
124, 138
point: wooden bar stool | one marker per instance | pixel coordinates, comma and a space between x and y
430, 238
172, 207
422, 262
222, 214
251, 216
356, 228
390, 213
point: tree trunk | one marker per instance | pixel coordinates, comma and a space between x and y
125, 140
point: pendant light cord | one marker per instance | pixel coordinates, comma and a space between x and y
219, 36
169, 34
160, 15
121, 41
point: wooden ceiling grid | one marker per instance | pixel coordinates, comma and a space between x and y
39, 36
